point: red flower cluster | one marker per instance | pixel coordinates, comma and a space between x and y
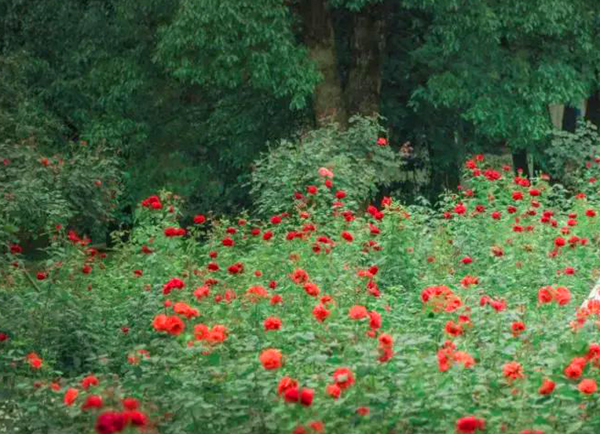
440, 298
34, 360
560, 294
470, 424
170, 324
290, 391
174, 232
174, 283
217, 334
448, 355
152, 202
111, 422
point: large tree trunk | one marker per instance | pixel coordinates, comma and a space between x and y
363, 89
319, 38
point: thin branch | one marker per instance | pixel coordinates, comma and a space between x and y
35, 285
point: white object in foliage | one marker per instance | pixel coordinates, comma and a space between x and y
594, 293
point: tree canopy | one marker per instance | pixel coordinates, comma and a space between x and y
188, 93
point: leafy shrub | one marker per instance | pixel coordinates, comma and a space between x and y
566, 152
352, 154
78, 187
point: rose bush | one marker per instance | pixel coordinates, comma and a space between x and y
321, 318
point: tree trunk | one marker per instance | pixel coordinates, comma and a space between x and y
319, 38
362, 93
557, 113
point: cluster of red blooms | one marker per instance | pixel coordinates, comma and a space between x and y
289, 389
110, 422
457, 328
214, 335
170, 324
560, 294
343, 378
375, 213
34, 360
591, 308
372, 286
469, 424
386, 347
469, 280
75, 239
186, 310
174, 283
497, 305
152, 202
577, 365
440, 298
174, 231
314, 426
448, 355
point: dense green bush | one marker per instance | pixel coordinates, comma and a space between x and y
78, 187
360, 164
567, 150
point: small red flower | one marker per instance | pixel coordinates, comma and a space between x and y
110, 422
70, 396
90, 380
272, 323
270, 359
587, 386
358, 312
547, 387
469, 424
306, 397
92, 401
512, 370
343, 377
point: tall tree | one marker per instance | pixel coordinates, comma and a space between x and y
500, 64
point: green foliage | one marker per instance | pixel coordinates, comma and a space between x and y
22, 115
111, 71
235, 44
101, 321
500, 64
190, 92
353, 155
567, 151
78, 187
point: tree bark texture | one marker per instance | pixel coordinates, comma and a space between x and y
319, 38
362, 93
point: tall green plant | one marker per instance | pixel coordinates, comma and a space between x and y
355, 156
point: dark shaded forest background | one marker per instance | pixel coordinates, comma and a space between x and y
185, 95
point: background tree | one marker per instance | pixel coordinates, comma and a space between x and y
189, 93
